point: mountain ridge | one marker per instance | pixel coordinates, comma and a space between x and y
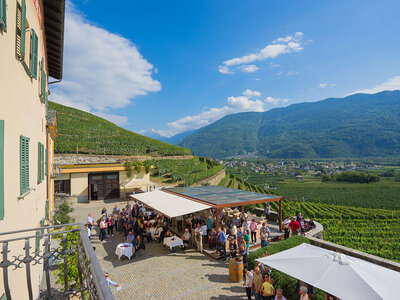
354, 126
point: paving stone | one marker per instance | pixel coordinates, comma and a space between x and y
157, 273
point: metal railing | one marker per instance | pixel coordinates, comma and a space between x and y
68, 263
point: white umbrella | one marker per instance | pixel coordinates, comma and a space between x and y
344, 276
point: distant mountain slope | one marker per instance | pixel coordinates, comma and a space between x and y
356, 126
86, 133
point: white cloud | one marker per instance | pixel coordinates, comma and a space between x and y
283, 45
246, 102
248, 68
249, 93
323, 85
276, 101
102, 70
390, 85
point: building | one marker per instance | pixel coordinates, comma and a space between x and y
31, 51
99, 181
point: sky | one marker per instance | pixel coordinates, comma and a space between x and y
165, 67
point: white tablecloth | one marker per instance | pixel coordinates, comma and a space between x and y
127, 251
152, 232
173, 241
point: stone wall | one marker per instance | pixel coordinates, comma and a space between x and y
355, 253
213, 180
78, 159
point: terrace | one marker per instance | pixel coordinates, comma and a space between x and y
63, 247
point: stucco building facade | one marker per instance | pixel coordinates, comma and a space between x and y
30, 51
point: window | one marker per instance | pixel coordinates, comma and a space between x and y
62, 186
1, 169
43, 79
3, 15
40, 162
34, 54
21, 29
24, 164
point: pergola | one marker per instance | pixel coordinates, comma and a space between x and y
218, 197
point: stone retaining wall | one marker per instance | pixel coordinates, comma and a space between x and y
355, 253
77, 159
213, 180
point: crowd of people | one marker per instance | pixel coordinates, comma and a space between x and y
138, 225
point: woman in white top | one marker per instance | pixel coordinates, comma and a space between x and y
199, 241
248, 282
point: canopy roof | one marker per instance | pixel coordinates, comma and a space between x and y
343, 276
218, 196
168, 204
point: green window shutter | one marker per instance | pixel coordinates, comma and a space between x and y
42, 161
3, 14
1, 169
43, 83
39, 163
23, 28
4, 297
34, 54
37, 241
47, 162
24, 164
47, 210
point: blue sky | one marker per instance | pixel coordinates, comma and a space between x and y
169, 66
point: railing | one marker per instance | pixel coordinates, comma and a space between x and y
69, 265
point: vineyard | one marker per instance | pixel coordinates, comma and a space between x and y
184, 171
382, 195
82, 132
375, 231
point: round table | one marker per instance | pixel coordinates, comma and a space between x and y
124, 249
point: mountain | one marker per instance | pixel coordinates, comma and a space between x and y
359, 125
178, 138
86, 133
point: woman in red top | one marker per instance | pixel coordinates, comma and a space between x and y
110, 225
295, 226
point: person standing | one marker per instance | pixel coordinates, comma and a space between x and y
179, 222
248, 282
103, 226
199, 240
267, 211
246, 226
286, 223
221, 244
253, 230
258, 280
279, 295
110, 225
247, 240
264, 237
267, 289
90, 224
294, 226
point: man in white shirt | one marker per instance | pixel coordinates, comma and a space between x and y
199, 237
246, 226
90, 224
286, 223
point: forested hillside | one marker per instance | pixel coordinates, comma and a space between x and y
359, 125
86, 133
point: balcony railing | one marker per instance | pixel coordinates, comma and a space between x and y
69, 265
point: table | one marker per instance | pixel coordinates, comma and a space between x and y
173, 241
152, 232
124, 249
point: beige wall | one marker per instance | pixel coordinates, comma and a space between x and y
79, 184
23, 114
141, 180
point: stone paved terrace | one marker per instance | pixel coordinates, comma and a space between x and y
157, 273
